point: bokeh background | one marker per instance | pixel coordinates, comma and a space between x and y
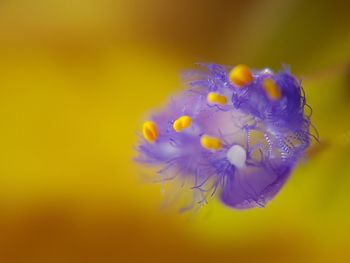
76, 78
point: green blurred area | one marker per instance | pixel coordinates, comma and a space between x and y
76, 79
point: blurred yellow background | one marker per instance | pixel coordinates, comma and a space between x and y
75, 81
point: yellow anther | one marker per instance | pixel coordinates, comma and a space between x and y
241, 76
150, 131
182, 123
215, 98
210, 143
271, 89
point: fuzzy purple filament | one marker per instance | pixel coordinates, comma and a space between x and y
270, 136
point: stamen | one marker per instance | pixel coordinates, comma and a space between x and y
237, 156
210, 143
182, 123
215, 98
241, 76
271, 89
150, 131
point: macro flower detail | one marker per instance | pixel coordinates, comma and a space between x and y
235, 132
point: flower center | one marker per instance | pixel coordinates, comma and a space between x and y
237, 156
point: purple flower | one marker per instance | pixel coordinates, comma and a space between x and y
235, 132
